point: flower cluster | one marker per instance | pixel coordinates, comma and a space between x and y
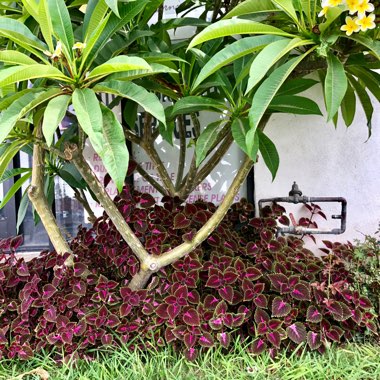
363, 19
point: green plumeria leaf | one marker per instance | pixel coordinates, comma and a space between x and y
269, 56
115, 155
269, 152
44, 21
95, 13
54, 114
225, 28
239, 129
298, 105
232, 52
89, 115
113, 5
206, 141
372, 45
61, 22
268, 89
15, 57
335, 85
20, 34
348, 106
138, 94
21, 107
117, 64
27, 72
191, 104
252, 6
14, 188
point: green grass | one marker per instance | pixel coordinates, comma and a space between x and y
353, 362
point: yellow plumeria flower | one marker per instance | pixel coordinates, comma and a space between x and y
353, 6
333, 3
57, 52
363, 7
323, 11
351, 26
367, 22
79, 46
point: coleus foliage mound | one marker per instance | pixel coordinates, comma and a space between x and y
242, 282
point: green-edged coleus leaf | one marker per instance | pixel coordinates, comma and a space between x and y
232, 52
299, 105
280, 308
225, 28
296, 332
313, 315
269, 56
335, 85
192, 104
61, 23
252, 6
269, 152
54, 114
138, 94
117, 64
206, 141
314, 340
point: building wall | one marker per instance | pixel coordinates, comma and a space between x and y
325, 161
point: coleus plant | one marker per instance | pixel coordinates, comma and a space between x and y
241, 283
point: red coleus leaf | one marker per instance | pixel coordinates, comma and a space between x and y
214, 281
206, 340
216, 323
283, 219
189, 340
266, 235
230, 276
227, 293
333, 335
181, 292
173, 310
275, 338
280, 308
107, 339
48, 291
140, 226
371, 326
258, 346
346, 313
191, 354
72, 300
146, 200
252, 249
301, 292
22, 269
194, 297
274, 246
181, 221
200, 217
190, 209
297, 332
79, 269
189, 236
210, 302
335, 308
279, 281
79, 288
252, 273
169, 336
50, 314
261, 301
314, 340
274, 324
224, 339
162, 311
262, 328
313, 315
214, 240
364, 303
221, 308
356, 315
191, 317
261, 316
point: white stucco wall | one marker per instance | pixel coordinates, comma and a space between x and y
328, 162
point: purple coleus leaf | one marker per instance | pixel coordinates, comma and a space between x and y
191, 354
181, 221
50, 314
364, 303
275, 338
233, 320
279, 281
216, 323
252, 249
22, 269
261, 316
48, 291
314, 340
189, 340
206, 340
146, 200
79, 269
210, 302
313, 315
252, 273
280, 308
191, 317
296, 332
261, 301
224, 339
80, 288
227, 293
301, 292
258, 346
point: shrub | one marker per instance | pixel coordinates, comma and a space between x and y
241, 282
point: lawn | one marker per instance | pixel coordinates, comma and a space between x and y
351, 362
